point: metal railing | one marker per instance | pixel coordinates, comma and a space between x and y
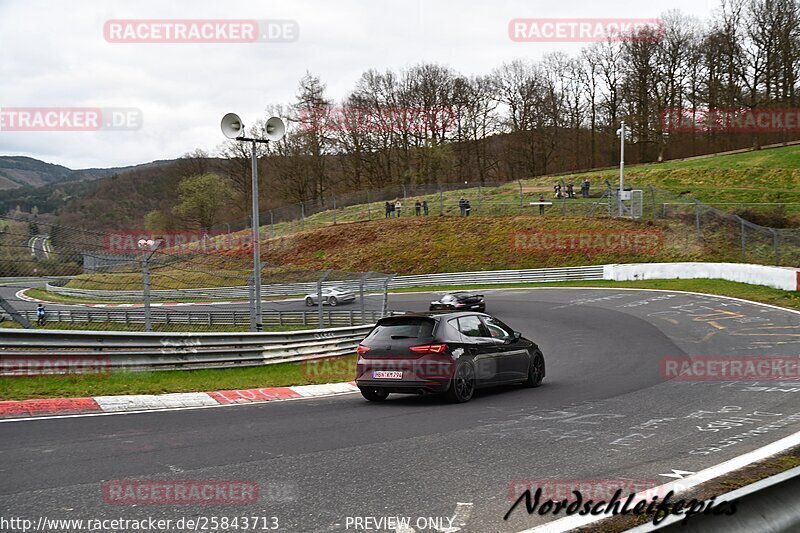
163, 351
534, 275
207, 318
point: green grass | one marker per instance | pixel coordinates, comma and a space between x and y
284, 374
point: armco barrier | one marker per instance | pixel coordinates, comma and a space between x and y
206, 318
769, 276
148, 351
536, 275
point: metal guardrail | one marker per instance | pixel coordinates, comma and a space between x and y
535, 275
148, 351
766, 505
207, 318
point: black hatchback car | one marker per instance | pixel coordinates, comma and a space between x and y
451, 353
459, 301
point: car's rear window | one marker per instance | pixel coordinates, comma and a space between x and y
403, 328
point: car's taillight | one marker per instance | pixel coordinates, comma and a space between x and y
429, 348
361, 350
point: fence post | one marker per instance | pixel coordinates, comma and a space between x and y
271, 225
319, 297
369, 207
653, 200
441, 204
302, 216
480, 198
334, 209
697, 218
148, 322
520, 192
564, 205
251, 289
742, 230
385, 303
776, 246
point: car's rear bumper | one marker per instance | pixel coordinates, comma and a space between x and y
406, 386
425, 374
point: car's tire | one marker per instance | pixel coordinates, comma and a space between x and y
462, 386
309, 302
373, 394
332, 301
535, 371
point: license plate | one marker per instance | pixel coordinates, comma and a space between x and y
387, 374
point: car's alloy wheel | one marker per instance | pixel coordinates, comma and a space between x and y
535, 371
462, 387
373, 394
333, 301
309, 302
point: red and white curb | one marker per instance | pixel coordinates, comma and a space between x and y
27, 409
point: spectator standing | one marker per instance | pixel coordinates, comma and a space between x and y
417, 207
40, 315
585, 188
425, 207
541, 204
398, 207
557, 190
570, 190
461, 205
388, 210
466, 207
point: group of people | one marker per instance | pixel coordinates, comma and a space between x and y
396, 209
569, 190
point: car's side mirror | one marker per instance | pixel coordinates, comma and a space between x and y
517, 336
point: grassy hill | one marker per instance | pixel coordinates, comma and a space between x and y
436, 244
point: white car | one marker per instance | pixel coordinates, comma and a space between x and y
332, 296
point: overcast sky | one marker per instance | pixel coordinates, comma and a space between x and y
54, 54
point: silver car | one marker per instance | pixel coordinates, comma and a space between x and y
332, 296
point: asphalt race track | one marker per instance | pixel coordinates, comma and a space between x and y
603, 413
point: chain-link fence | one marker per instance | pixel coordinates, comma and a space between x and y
213, 273
63, 277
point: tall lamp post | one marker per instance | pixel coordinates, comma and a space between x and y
621, 134
147, 245
233, 128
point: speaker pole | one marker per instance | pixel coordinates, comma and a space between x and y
256, 240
